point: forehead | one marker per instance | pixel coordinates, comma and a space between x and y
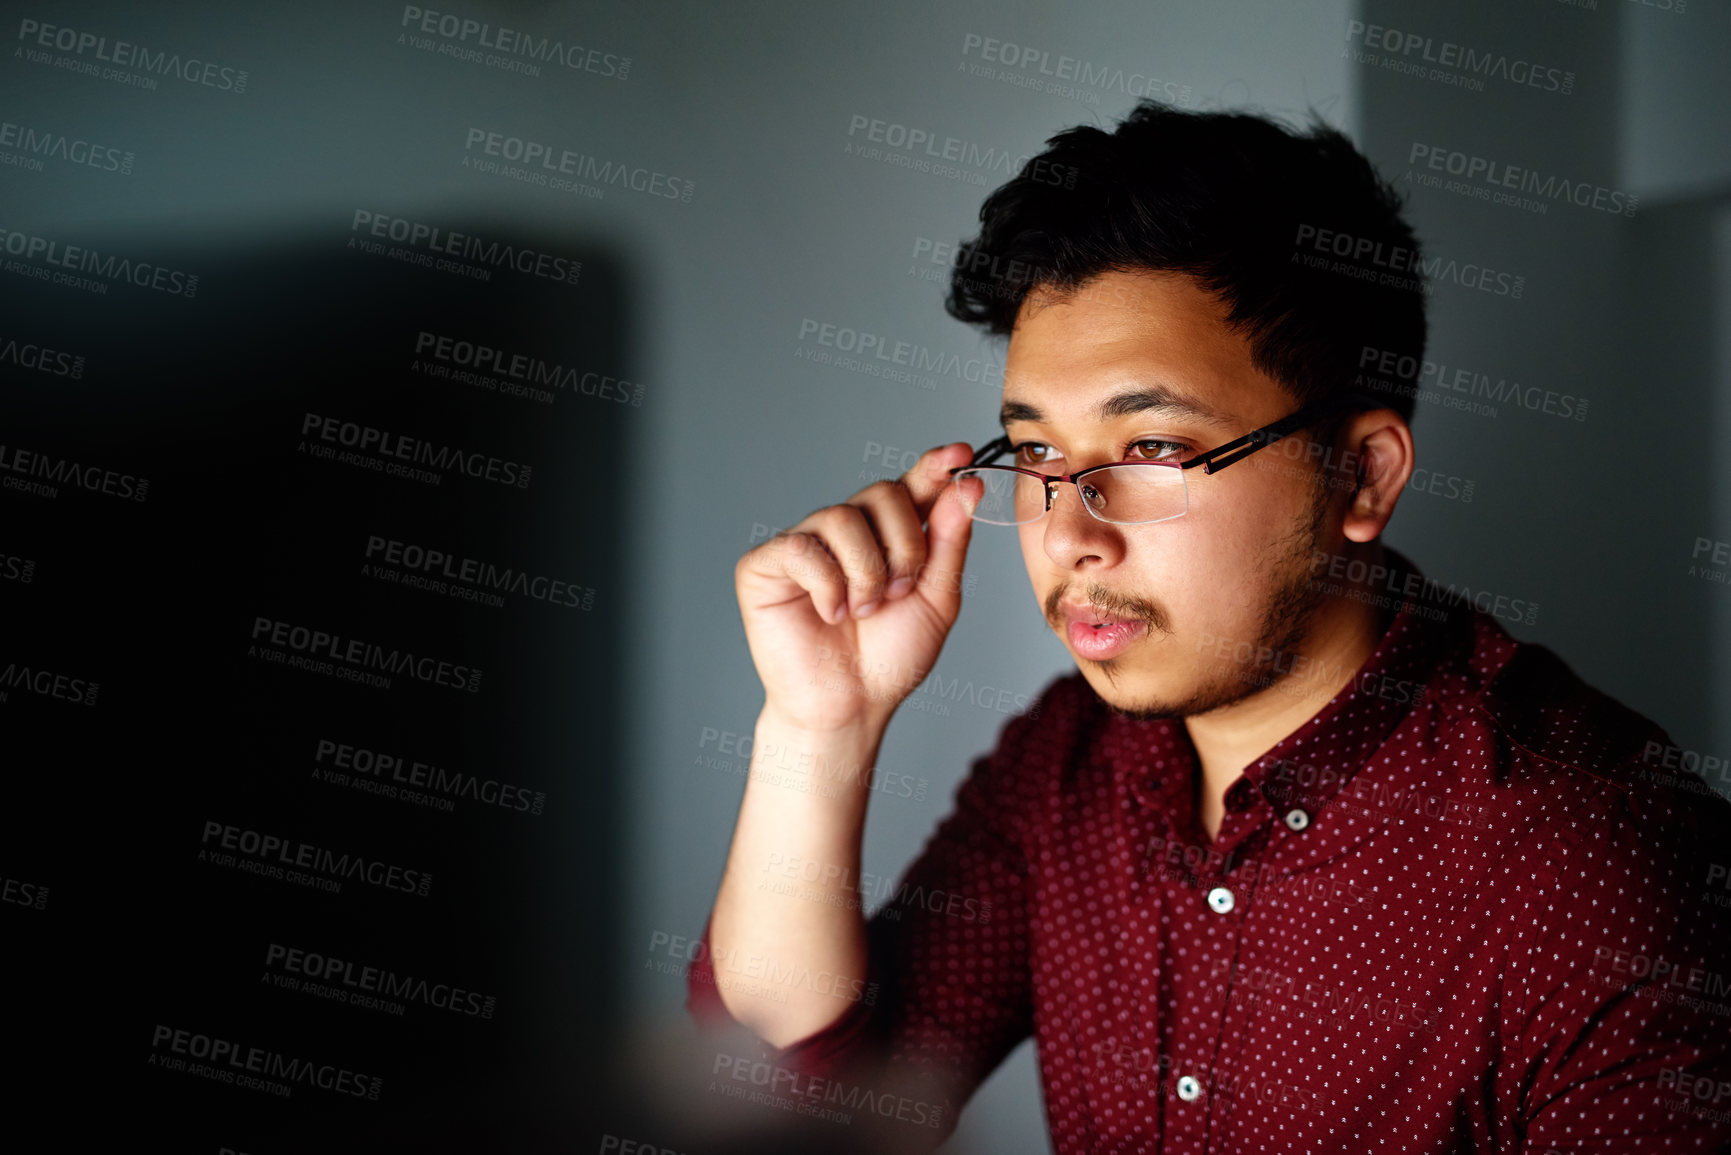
1159, 330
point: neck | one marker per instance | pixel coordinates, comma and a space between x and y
1345, 633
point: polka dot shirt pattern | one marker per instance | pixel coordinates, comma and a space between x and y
1463, 908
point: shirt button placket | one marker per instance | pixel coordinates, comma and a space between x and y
1222, 901
1188, 1088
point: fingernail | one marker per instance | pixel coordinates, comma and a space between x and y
900, 586
866, 610
839, 614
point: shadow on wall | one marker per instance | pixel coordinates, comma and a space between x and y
248, 837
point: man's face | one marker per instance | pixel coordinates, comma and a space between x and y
1147, 610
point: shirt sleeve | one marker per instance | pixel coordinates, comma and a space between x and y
948, 962
1622, 1027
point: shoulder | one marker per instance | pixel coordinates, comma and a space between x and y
1040, 750
1553, 725
1547, 713
1584, 778
1062, 715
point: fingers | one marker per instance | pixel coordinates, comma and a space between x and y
900, 542
948, 524
849, 534
927, 558
930, 476
853, 556
837, 556
804, 560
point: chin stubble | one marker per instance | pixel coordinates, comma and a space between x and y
1286, 620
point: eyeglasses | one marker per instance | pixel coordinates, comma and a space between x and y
1122, 492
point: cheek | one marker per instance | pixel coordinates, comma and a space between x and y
1242, 524
1171, 563
1208, 573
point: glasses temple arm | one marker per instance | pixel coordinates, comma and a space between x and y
1220, 457
996, 447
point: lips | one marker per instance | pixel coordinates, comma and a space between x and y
1099, 636
1089, 615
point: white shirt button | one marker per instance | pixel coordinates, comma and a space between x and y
1220, 899
1297, 819
1189, 1089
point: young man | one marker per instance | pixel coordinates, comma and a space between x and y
1306, 856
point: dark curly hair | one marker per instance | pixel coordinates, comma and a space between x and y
1259, 214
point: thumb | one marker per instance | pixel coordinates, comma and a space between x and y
930, 476
949, 528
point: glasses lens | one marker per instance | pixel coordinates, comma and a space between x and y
1000, 496
1136, 494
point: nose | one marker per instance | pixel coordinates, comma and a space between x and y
1076, 539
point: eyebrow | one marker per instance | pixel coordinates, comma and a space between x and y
1141, 399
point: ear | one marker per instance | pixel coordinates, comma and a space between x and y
1378, 443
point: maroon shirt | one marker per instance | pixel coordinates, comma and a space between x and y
1461, 908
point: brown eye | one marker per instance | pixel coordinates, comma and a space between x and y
1032, 453
1154, 449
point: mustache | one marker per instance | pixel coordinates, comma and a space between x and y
1108, 603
